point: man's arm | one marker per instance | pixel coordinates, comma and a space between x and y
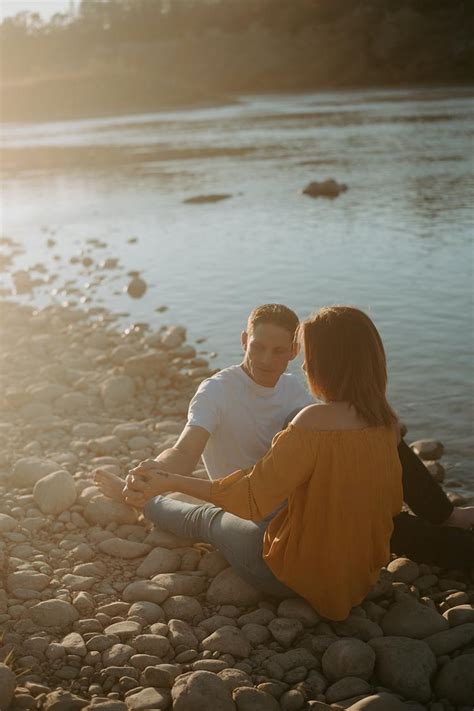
184, 455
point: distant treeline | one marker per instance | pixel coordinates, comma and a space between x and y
115, 55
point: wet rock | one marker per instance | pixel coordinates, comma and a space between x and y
55, 493
436, 470
428, 449
7, 686
324, 188
201, 691
348, 657
404, 666
228, 588
53, 613
202, 199
121, 548
455, 681
103, 511
28, 470
410, 619
228, 640
136, 287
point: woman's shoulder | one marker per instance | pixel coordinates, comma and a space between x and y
312, 417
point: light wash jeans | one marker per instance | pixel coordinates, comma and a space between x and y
239, 540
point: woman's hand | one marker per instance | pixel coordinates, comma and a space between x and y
146, 481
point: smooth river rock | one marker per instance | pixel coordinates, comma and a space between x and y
55, 492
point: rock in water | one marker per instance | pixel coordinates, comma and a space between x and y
428, 449
324, 188
7, 686
55, 492
136, 288
201, 691
202, 199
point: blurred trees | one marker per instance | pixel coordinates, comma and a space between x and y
243, 45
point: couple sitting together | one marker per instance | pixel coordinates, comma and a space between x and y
305, 496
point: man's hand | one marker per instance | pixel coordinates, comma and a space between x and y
146, 481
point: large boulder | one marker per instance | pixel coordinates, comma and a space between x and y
404, 666
228, 588
55, 492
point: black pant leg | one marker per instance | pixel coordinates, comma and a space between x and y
421, 492
424, 542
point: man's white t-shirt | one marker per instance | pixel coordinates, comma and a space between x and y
242, 417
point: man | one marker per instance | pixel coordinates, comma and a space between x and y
235, 414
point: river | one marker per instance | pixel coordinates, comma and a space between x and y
397, 243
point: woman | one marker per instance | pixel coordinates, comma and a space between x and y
334, 473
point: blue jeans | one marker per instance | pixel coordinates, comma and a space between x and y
239, 541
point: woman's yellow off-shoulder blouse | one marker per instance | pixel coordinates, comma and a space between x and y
343, 488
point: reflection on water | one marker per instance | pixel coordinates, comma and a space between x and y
397, 243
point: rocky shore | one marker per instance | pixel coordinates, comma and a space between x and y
100, 610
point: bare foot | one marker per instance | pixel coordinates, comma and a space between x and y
110, 485
462, 517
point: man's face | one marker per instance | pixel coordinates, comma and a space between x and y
268, 349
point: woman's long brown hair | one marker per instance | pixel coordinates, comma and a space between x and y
345, 361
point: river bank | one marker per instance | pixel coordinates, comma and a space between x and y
99, 610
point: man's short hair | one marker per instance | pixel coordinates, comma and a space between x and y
276, 314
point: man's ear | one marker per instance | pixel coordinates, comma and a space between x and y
244, 337
295, 350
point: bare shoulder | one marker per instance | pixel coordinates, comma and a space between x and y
313, 417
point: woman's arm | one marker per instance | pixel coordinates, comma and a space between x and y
248, 493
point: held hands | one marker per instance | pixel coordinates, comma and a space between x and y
144, 482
